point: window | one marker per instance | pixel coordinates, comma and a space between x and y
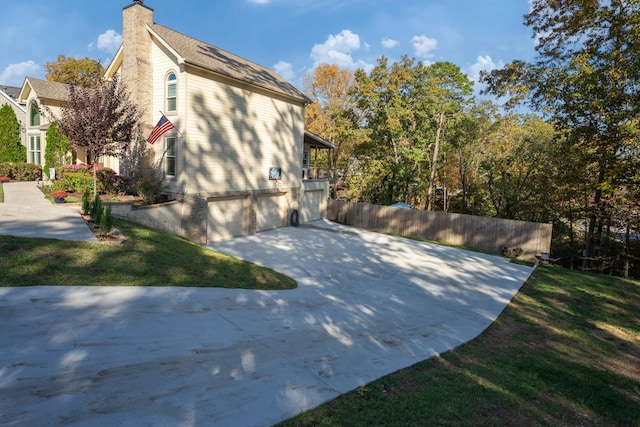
305, 159
172, 90
170, 155
34, 149
34, 114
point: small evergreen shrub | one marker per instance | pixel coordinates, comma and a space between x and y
86, 203
106, 220
96, 209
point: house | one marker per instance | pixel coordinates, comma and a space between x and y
233, 161
39, 96
9, 95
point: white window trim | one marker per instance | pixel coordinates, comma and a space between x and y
166, 89
174, 156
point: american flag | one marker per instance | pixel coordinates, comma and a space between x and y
163, 126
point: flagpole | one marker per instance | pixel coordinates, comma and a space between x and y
177, 130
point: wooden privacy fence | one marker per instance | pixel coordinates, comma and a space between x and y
490, 234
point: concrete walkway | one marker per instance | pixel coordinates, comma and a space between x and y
26, 213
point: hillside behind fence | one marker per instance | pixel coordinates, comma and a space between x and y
489, 234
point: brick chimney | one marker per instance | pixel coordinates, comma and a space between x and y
136, 63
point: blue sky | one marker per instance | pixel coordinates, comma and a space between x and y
290, 36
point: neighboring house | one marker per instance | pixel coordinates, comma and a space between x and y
238, 126
42, 99
10, 95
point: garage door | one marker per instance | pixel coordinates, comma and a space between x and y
226, 218
311, 207
271, 211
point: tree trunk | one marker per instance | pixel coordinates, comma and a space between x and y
434, 161
627, 250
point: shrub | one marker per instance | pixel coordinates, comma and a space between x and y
21, 171
86, 203
96, 209
60, 185
106, 220
78, 181
149, 188
106, 179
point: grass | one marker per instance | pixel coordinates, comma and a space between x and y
565, 352
146, 258
1, 193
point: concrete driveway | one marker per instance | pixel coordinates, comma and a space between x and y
367, 305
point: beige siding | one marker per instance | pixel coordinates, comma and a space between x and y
163, 62
234, 135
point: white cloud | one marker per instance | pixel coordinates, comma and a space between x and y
389, 43
483, 63
423, 45
14, 74
337, 50
109, 41
285, 69
260, 1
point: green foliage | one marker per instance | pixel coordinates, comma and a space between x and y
106, 220
11, 150
404, 108
56, 152
77, 182
22, 171
96, 209
149, 188
586, 78
60, 185
86, 202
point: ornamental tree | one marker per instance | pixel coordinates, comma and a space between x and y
101, 121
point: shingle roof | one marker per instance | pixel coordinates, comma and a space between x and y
12, 91
211, 58
49, 90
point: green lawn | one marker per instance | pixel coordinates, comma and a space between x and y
147, 258
565, 352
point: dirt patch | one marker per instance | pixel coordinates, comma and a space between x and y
113, 236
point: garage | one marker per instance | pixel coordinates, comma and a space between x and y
226, 218
270, 212
311, 206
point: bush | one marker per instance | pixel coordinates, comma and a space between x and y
149, 188
60, 186
77, 181
22, 171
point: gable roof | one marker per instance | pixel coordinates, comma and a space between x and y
203, 55
44, 89
11, 93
